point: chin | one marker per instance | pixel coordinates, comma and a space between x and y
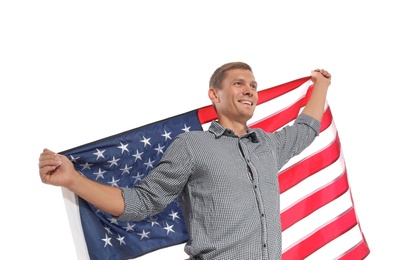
248, 117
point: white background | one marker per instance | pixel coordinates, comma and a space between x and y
72, 72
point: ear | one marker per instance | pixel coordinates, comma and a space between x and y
213, 95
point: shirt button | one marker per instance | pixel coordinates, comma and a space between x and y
255, 186
264, 245
262, 214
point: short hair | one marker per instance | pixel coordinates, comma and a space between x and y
220, 73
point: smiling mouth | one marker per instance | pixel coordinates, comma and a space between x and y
246, 102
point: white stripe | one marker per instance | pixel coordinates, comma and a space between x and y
72, 209
309, 224
278, 104
206, 126
341, 244
317, 180
311, 184
176, 251
322, 141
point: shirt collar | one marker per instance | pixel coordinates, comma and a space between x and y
219, 130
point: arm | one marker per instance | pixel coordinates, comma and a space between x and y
316, 104
56, 169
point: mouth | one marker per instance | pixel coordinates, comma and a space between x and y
246, 102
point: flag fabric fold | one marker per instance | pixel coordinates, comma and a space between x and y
318, 216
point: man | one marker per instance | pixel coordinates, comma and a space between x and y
226, 176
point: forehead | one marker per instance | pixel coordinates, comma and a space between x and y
239, 74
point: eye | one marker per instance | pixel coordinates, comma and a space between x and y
237, 83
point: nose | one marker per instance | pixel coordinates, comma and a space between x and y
248, 90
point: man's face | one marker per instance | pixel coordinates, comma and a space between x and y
237, 98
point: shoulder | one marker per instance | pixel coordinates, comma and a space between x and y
193, 136
261, 132
262, 135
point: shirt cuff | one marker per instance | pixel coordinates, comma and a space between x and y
311, 121
131, 206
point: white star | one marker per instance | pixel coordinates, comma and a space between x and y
107, 240
137, 155
145, 141
174, 215
114, 182
121, 239
129, 227
159, 149
86, 165
167, 135
149, 164
113, 220
114, 161
100, 174
74, 159
143, 234
168, 229
99, 154
123, 147
186, 128
138, 177
126, 169
154, 222
108, 230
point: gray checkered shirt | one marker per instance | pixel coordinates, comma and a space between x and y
228, 187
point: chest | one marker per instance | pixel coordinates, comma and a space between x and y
234, 160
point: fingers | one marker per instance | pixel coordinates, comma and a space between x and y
46, 173
47, 157
47, 151
48, 162
324, 73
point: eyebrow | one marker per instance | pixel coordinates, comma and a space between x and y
241, 79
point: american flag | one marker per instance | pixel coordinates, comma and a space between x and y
317, 209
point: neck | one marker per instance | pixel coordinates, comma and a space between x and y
239, 128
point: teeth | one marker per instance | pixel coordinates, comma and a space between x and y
246, 102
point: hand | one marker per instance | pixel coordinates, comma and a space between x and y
321, 76
56, 169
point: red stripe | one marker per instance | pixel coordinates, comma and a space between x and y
358, 252
322, 236
274, 92
361, 250
314, 201
206, 114
274, 122
326, 119
307, 167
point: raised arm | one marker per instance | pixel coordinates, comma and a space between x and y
56, 169
316, 104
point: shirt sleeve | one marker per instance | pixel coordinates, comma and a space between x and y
293, 139
161, 186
